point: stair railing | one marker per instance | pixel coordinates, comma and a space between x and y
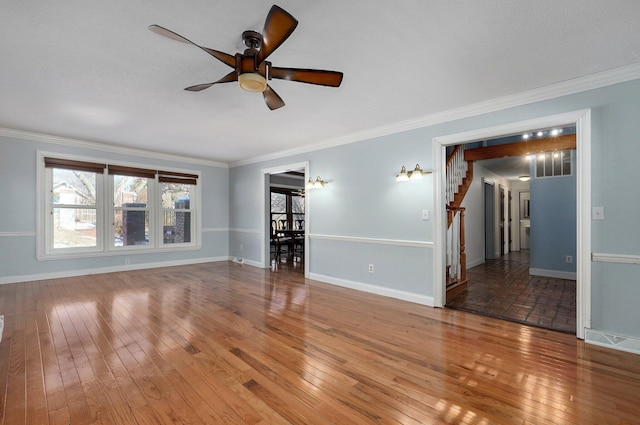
456, 171
456, 255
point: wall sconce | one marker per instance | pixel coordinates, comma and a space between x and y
317, 184
415, 174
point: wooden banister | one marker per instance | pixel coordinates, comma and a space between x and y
458, 280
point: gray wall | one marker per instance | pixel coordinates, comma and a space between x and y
553, 222
474, 215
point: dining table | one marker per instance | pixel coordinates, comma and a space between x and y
293, 234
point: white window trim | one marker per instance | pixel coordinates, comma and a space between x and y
104, 206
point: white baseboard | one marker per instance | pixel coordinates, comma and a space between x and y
379, 290
474, 263
244, 261
618, 342
112, 269
553, 273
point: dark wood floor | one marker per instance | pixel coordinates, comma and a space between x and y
504, 289
226, 344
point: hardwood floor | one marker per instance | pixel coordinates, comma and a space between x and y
226, 344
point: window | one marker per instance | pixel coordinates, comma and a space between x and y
92, 208
549, 164
287, 209
177, 215
72, 215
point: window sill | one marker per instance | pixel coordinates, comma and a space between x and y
116, 252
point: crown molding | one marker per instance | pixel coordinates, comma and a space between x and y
564, 88
83, 144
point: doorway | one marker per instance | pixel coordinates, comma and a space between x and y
581, 120
286, 179
489, 219
524, 224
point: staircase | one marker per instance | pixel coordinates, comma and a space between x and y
459, 177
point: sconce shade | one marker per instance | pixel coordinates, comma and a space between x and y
318, 183
403, 176
415, 174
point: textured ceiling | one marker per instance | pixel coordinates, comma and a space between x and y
93, 71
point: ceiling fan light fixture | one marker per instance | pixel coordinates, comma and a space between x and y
252, 81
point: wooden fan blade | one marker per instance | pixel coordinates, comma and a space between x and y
277, 28
309, 76
272, 99
169, 34
221, 56
232, 76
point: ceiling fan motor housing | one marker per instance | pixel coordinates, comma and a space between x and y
251, 75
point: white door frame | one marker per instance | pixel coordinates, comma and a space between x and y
265, 259
582, 121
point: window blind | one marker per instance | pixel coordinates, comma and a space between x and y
69, 164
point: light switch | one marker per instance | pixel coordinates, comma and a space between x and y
425, 214
598, 213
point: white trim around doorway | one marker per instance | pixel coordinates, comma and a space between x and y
265, 173
582, 120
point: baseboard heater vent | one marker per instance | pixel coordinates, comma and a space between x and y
604, 339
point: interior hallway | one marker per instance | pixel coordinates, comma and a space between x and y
504, 289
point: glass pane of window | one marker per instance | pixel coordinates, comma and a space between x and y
74, 187
176, 227
557, 164
548, 164
278, 202
176, 196
278, 221
566, 163
131, 227
297, 204
298, 220
74, 227
540, 165
129, 191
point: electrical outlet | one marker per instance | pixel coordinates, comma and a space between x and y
126, 262
569, 259
425, 215
370, 268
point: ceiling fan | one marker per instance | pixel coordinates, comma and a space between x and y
251, 69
